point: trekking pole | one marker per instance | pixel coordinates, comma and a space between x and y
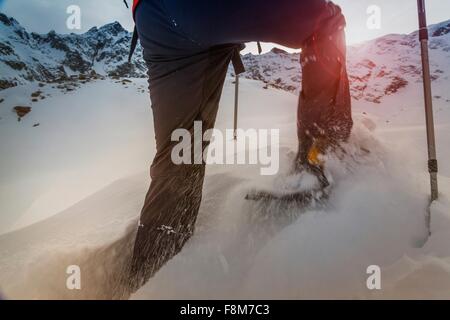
432, 159
236, 106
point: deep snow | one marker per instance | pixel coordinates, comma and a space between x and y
88, 160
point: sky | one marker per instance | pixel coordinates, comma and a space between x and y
396, 16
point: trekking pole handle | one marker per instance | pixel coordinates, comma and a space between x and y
423, 31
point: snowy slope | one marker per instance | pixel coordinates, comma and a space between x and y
376, 214
74, 176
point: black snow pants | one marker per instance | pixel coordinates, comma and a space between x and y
188, 45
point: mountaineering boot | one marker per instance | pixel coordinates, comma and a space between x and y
310, 158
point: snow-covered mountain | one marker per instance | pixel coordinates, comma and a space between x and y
377, 68
53, 57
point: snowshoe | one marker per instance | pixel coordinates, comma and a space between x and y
309, 162
298, 194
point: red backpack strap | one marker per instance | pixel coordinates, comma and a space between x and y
135, 4
133, 46
135, 37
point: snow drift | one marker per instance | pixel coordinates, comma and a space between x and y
376, 215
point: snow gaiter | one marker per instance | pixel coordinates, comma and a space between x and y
324, 110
